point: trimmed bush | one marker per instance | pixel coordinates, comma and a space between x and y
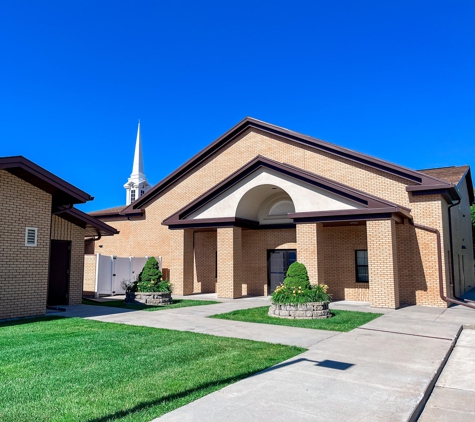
297, 277
151, 271
296, 288
150, 279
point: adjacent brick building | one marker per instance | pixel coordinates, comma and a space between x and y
232, 218
41, 239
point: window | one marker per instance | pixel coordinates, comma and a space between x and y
31, 236
362, 274
132, 195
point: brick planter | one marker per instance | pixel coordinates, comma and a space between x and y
149, 298
315, 310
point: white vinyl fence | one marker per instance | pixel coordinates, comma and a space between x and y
111, 270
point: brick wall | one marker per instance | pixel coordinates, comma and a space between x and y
382, 264
337, 261
24, 275
146, 236
64, 230
205, 248
230, 266
89, 286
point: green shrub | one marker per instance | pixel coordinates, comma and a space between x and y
150, 279
151, 271
297, 277
296, 288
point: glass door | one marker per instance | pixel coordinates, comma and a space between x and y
278, 262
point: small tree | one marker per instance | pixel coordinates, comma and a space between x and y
151, 272
297, 276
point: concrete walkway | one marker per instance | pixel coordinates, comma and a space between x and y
382, 371
453, 398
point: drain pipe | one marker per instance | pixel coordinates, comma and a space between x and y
439, 264
452, 270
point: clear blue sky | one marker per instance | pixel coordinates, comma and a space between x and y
394, 79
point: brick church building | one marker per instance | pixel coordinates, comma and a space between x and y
232, 218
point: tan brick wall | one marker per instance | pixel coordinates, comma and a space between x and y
89, 286
24, 269
308, 254
181, 262
205, 247
230, 265
146, 236
337, 261
62, 229
382, 263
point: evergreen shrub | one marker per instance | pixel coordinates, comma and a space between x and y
296, 288
150, 279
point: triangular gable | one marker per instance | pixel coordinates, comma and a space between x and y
357, 202
419, 181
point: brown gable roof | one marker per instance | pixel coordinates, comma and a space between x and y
455, 175
92, 226
63, 193
422, 179
372, 204
450, 174
108, 211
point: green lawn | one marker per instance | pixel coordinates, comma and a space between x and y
177, 303
341, 320
71, 369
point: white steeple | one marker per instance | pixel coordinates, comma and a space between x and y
137, 185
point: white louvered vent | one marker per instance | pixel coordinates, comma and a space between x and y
31, 234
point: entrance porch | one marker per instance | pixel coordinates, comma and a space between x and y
235, 262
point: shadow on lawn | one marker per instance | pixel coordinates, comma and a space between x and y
342, 366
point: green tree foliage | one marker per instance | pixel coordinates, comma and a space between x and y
151, 271
297, 276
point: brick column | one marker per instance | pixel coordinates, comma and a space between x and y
307, 250
229, 262
182, 261
382, 264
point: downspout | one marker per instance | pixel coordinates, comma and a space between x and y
452, 270
439, 264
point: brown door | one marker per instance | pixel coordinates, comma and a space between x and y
58, 284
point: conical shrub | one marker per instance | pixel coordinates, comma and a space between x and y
151, 272
296, 277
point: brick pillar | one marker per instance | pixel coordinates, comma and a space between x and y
382, 264
307, 250
229, 262
181, 264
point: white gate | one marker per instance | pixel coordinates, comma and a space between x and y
112, 270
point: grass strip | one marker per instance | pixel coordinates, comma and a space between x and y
341, 320
177, 303
71, 369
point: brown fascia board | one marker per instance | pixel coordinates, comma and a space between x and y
92, 225
249, 122
132, 213
43, 179
339, 189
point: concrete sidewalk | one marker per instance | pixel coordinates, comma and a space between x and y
382, 371
453, 398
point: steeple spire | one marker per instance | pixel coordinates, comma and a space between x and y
137, 185
137, 169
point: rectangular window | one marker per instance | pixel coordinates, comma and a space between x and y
362, 274
132, 195
31, 235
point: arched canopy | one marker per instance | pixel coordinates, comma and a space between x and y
266, 203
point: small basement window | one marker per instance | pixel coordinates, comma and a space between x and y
31, 236
362, 273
